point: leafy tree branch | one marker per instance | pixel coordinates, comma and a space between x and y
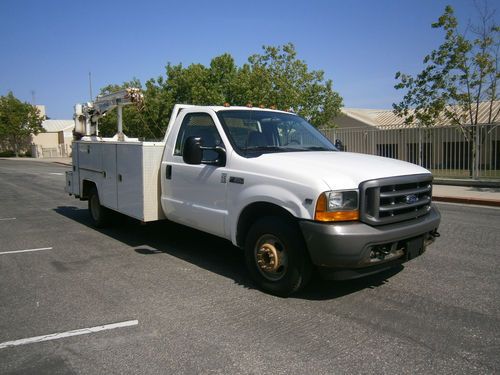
274, 78
458, 76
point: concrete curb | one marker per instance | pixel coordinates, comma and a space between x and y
467, 183
41, 160
477, 201
62, 163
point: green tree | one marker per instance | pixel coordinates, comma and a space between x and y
457, 77
18, 121
278, 78
275, 78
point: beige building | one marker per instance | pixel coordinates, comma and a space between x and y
445, 148
55, 141
386, 119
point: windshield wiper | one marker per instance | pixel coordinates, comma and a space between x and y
318, 148
264, 148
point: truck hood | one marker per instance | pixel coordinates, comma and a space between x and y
339, 170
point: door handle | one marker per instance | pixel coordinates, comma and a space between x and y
168, 172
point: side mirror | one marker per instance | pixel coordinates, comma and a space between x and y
192, 152
221, 156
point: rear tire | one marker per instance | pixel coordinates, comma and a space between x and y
276, 257
101, 216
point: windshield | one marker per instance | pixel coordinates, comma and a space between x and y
254, 132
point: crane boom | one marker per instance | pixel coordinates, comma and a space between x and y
87, 115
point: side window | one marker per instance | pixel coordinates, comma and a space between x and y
199, 125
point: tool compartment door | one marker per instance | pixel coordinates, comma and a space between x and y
130, 184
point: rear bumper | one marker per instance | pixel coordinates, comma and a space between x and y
346, 250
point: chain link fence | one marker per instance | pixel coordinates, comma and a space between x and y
448, 151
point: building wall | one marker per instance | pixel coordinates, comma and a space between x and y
51, 144
46, 140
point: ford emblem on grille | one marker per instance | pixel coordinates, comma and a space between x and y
412, 198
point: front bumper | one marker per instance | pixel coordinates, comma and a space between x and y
346, 250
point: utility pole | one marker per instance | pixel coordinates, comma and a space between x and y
90, 85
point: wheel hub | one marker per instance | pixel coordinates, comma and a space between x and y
268, 258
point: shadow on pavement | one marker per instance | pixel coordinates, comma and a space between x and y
319, 289
210, 252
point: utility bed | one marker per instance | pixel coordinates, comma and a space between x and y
126, 175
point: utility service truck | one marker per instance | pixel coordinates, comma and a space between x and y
264, 179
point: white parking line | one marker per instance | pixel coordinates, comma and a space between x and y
7, 218
56, 173
60, 335
25, 251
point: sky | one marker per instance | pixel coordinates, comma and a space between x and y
49, 47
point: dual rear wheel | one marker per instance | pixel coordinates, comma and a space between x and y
100, 215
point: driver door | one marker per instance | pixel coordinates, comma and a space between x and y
195, 195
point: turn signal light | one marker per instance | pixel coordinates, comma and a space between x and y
337, 216
323, 213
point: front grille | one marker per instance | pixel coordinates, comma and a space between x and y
394, 199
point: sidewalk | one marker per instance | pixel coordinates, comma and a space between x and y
63, 161
484, 196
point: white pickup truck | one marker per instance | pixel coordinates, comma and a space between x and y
270, 183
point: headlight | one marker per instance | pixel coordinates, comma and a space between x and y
337, 206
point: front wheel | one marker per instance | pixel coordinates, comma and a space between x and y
100, 215
275, 256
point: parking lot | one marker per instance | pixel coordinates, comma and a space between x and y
163, 298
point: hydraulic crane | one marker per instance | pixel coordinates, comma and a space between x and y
87, 115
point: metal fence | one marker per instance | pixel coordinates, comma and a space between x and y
448, 151
61, 150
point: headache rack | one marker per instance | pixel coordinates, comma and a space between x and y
395, 199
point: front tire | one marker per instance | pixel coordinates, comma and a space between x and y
275, 256
101, 216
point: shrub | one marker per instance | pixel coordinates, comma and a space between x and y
7, 154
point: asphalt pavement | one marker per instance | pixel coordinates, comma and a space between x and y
162, 298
